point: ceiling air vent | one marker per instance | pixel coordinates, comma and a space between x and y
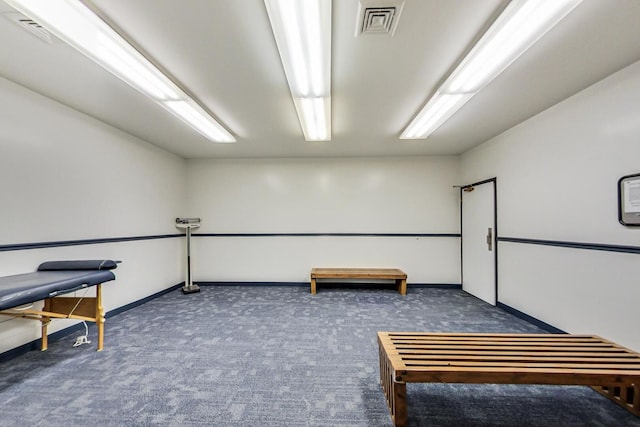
378, 17
32, 26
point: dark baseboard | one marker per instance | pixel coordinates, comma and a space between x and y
139, 302
524, 316
35, 344
307, 284
226, 283
435, 285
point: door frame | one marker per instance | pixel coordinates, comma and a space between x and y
493, 180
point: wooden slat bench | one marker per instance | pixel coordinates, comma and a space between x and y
399, 276
562, 359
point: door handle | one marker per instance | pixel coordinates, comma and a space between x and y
489, 239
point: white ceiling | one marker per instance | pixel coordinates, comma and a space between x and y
224, 53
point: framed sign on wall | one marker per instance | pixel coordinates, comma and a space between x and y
629, 200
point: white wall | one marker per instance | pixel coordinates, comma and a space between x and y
557, 180
400, 195
65, 176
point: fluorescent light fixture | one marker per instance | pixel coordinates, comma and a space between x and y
519, 26
522, 23
440, 107
314, 113
77, 25
302, 30
196, 117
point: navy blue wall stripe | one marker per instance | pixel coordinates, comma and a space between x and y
326, 234
575, 245
61, 243
558, 243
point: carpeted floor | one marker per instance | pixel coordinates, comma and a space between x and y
275, 356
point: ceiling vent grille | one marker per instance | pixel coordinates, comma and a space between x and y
378, 17
31, 26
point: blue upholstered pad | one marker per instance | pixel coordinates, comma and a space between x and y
26, 288
86, 264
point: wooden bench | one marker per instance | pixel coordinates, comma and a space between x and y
562, 359
399, 276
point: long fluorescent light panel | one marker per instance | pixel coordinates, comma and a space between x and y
302, 29
519, 26
78, 26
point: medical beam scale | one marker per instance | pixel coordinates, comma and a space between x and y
188, 224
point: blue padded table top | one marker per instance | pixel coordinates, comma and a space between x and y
26, 288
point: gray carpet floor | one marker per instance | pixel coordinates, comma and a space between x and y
275, 356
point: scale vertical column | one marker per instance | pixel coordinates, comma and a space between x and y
188, 224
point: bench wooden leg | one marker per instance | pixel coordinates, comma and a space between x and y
399, 415
44, 343
45, 320
313, 286
99, 317
626, 396
395, 392
402, 286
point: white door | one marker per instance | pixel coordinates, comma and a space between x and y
478, 241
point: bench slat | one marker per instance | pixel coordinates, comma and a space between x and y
559, 359
541, 358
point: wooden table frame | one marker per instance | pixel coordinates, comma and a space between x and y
80, 308
399, 276
561, 359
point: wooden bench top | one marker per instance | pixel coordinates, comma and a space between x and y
357, 273
509, 358
560, 359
